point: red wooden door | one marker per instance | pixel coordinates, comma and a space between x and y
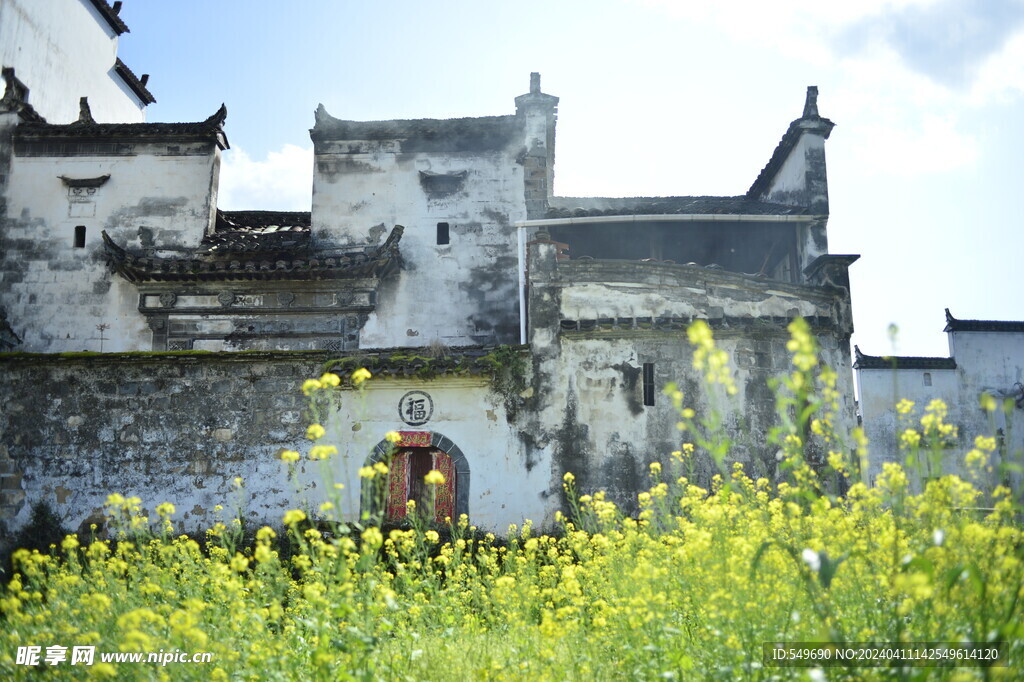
405, 482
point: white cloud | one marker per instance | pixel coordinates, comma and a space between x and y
1002, 75
283, 181
933, 145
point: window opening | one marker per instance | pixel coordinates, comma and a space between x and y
927, 378
649, 383
79, 236
442, 233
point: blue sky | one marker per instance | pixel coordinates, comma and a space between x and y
658, 97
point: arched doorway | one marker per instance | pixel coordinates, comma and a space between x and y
408, 468
415, 454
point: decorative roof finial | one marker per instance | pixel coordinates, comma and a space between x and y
218, 117
811, 104
84, 112
949, 316
534, 82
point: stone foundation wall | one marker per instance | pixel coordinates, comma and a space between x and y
166, 427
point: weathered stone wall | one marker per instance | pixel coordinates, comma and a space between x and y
179, 427
593, 326
169, 427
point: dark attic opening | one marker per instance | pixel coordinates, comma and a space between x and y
763, 249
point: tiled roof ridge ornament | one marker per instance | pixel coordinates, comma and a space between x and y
321, 115
218, 117
84, 112
811, 103
15, 91
949, 317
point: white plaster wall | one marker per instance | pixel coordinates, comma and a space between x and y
986, 362
881, 389
995, 359
792, 177
448, 293
502, 490
63, 50
56, 294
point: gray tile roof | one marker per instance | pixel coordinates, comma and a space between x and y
955, 325
133, 82
270, 262
863, 361
85, 127
451, 134
110, 15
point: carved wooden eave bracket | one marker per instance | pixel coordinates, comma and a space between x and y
301, 265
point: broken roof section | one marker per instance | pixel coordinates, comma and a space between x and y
256, 253
238, 231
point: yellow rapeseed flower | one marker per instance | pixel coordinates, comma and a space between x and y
289, 456
360, 375
311, 386
330, 379
315, 432
392, 436
367, 472
294, 516
318, 452
434, 477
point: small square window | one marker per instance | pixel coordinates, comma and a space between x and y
442, 233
